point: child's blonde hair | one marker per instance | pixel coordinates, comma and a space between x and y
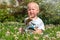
37, 6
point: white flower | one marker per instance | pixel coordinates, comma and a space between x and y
15, 28
58, 34
14, 35
36, 38
53, 38
7, 33
17, 33
16, 38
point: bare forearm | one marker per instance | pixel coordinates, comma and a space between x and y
37, 31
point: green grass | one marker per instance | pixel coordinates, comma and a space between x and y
9, 31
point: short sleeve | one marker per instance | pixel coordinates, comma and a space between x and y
41, 26
25, 20
39, 23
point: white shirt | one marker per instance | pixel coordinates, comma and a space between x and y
36, 23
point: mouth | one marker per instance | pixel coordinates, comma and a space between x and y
32, 16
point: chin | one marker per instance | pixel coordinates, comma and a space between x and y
32, 17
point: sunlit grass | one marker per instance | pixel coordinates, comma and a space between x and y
9, 31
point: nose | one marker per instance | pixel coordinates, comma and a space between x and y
31, 11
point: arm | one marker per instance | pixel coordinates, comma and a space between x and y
39, 29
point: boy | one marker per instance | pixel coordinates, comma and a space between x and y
32, 21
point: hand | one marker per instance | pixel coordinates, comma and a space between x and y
37, 31
30, 18
36, 28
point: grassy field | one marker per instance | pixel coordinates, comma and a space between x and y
9, 31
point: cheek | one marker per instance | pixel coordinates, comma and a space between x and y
36, 12
28, 13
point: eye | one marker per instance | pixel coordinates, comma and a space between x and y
33, 9
29, 9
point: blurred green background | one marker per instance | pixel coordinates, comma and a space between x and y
16, 10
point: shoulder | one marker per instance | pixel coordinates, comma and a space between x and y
39, 19
40, 24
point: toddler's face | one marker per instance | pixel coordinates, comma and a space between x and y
32, 10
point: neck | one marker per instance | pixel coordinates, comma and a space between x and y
35, 18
